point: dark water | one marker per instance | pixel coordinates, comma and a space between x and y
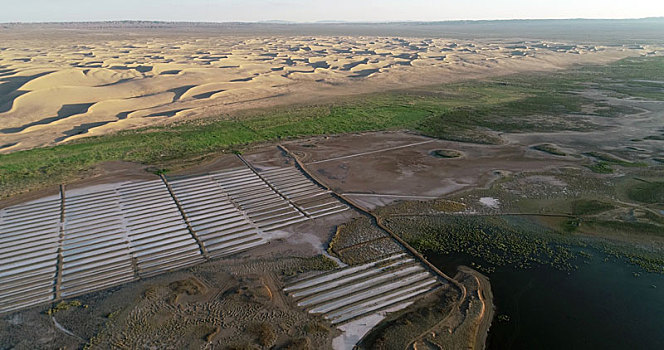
602, 305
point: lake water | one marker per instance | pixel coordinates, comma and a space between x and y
602, 305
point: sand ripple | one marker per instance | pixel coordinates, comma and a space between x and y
53, 90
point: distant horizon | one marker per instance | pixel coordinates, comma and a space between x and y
279, 21
304, 11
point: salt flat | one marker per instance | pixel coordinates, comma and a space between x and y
54, 89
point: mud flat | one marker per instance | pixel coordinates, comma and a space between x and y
484, 295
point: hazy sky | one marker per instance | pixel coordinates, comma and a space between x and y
314, 10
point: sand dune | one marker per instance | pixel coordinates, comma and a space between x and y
52, 90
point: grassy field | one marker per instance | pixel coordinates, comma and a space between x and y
497, 240
647, 192
468, 112
590, 207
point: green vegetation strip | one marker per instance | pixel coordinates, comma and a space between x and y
519, 242
590, 207
467, 112
497, 240
647, 192
608, 158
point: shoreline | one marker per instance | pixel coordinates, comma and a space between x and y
485, 295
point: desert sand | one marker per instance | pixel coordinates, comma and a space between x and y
60, 85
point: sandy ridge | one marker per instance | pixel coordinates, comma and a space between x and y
53, 90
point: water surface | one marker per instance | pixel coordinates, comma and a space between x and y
602, 305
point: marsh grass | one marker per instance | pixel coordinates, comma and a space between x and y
600, 168
498, 240
647, 192
590, 207
610, 159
